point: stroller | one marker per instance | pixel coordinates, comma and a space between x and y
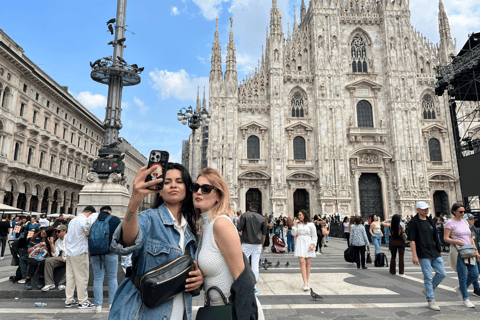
19, 251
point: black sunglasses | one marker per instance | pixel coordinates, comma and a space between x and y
206, 188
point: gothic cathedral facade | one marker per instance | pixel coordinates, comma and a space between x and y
340, 116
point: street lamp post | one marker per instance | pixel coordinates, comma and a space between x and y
115, 72
194, 119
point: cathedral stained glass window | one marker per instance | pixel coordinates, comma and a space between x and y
299, 152
297, 105
434, 149
253, 147
428, 107
364, 114
359, 55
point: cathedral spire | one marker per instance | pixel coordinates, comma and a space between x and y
204, 102
216, 76
275, 20
447, 47
303, 11
198, 98
294, 17
231, 77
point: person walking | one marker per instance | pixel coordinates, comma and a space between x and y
57, 259
306, 234
359, 241
457, 232
475, 236
376, 233
346, 229
395, 227
103, 260
220, 254
426, 251
253, 229
76, 247
4, 230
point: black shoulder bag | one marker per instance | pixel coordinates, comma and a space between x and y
161, 283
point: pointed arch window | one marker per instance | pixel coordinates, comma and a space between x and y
359, 55
428, 107
297, 105
364, 114
299, 152
253, 147
434, 149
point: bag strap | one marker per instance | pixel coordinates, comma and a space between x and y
207, 296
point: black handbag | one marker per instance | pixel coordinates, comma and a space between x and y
349, 254
209, 312
161, 283
369, 257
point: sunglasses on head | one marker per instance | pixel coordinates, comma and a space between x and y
206, 188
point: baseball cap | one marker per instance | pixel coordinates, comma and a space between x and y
469, 216
61, 227
422, 205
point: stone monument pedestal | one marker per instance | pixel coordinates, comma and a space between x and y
101, 192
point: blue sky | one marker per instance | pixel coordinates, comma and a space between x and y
172, 40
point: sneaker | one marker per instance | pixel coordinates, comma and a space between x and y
457, 290
61, 287
48, 287
28, 284
305, 288
265, 250
476, 292
1, 258
85, 305
22, 281
97, 309
41, 284
325, 246
364, 268
71, 304
468, 304
433, 305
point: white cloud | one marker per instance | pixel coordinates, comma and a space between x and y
142, 109
92, 101
202, 60
180, 85
210, 9
175, 11
176, 157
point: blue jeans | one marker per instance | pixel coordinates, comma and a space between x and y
431, 282
290, 242
111, 265
377, 241
476, 285
465, 280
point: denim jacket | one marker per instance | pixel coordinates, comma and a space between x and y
156, 243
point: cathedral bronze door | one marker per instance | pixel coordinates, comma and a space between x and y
370, 190
254, 198
440, 201
301, 200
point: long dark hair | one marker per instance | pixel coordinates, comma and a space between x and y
395, 225
306, 216
187, 205
49, 231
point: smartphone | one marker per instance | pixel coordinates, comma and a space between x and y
159, 159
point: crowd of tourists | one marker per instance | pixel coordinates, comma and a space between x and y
191, 240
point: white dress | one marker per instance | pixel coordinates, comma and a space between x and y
307, 235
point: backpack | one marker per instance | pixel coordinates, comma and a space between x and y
99, 237
381, 260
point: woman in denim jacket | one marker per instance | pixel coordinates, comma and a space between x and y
157, 236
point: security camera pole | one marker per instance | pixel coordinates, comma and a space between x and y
116, 73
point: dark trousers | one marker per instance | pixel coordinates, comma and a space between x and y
3, 242
32, 266
319, 242
359, 252
347, 235
397, 244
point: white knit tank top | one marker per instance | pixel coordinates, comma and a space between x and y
210, 260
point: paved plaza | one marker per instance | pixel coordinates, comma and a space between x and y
348, 293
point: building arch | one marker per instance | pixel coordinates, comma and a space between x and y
298, 102
299, 148
435, 149
364, 114
253, 147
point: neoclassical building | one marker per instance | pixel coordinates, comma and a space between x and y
340, 115
48, 140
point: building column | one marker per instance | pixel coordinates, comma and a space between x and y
74, 207
357, 192
49, 210
39, 206
27, 204
67, 205
2, 196
15, 199
59, 205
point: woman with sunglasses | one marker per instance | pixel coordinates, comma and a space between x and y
457, 232
156, 237
219, 254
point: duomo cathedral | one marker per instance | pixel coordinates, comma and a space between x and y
340, 115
